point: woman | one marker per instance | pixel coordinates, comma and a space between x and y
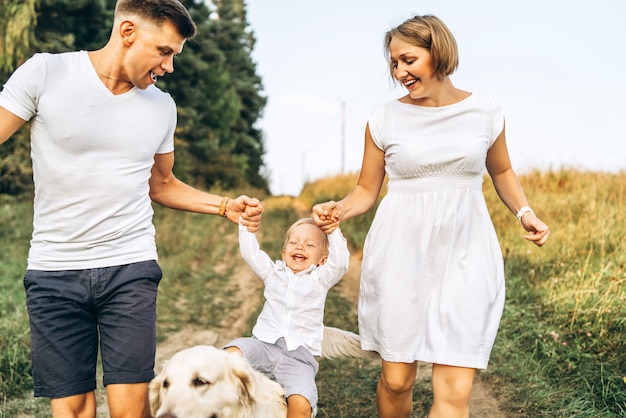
432, 281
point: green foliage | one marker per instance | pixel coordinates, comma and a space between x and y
16, 173
17, 18
15, 230
237, 42
218, 95
563, 334
195, 287
64, 27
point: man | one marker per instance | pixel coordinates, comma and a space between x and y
102, 149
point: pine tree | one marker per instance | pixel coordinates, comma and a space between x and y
237, 42
218, 93
17, 21
73, 24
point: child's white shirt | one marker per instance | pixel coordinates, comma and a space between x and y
294, 303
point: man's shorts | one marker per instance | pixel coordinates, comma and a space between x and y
69, 311
295, 370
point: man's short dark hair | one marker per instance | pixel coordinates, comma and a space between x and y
159, 11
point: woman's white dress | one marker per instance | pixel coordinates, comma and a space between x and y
432, 281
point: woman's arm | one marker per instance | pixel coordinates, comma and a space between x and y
510, 190
363, 196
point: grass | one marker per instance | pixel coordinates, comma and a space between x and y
560, 350
15, 378
192, 251
562, 341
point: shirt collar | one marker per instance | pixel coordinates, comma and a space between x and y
280, 264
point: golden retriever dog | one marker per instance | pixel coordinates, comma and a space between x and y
206, 382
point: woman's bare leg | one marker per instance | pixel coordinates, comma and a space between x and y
452, 387
394, 393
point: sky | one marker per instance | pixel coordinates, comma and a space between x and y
556, 66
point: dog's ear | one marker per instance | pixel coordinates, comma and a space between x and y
154, 391
241, 370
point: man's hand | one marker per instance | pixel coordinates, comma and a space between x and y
248, 209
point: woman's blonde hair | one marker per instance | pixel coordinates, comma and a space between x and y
431, 33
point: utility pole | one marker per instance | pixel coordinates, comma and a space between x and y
343, 137
303, 169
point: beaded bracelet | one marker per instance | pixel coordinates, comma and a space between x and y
222, 210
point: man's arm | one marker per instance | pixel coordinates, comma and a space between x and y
167, 190
9, 124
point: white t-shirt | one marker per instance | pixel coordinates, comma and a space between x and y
294, 303
92, 153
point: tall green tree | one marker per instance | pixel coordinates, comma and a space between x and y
17, 21
219, 97
68, 25
236, 40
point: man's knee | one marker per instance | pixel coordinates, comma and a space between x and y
81, 406
128, 400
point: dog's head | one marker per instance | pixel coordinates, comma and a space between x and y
206, 382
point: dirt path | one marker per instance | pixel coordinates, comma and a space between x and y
233, 326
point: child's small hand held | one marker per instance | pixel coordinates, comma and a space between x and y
327, 215
249, 212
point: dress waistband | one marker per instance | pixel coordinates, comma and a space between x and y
435, 183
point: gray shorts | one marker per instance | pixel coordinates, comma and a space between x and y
70, 311
294, 370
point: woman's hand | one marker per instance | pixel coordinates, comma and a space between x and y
327, 215
538, 231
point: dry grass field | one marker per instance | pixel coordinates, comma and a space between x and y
560, 351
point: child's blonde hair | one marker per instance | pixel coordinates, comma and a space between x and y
306, 221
